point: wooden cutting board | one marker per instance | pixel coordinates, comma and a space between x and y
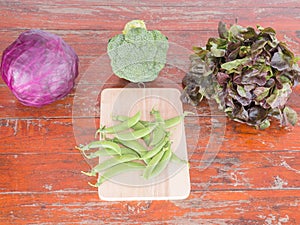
174, 182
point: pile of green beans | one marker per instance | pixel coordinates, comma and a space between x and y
133, 144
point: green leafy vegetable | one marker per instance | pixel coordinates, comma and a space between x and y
248, 72
138, 55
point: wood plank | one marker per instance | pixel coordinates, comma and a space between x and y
89, 85
42, 134
83, 100
58, 168
246, 171
25, 129
100, 17
173, 3
88, 89
93, 43
96, 70
203, 207
253, 179
12, 108
43, 172
241, 137
94, 66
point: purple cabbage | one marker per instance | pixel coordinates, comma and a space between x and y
39, 68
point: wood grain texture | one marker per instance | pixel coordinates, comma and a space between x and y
41, 134
90, 44
174, 3
56, 171
253, 179
202, 207
247, 166
95, 17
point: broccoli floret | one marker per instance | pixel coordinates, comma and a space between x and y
138, 55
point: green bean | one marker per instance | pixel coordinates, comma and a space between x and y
139, 126
109, 152
121, 118
147, 161
147, 139
114, 161
126, 124
101, 152
145, 123
132, 144
101, 144
117, 169
159, 132
156, 149
175, 158
152, 164
134, 135
111, 162
157, 116
126, 151
157, 135
136, 126
163, 163
175, 120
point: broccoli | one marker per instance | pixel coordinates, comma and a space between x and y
138, 55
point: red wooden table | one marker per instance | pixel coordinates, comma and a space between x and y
254, 178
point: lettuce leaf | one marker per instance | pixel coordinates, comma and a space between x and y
248, 72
